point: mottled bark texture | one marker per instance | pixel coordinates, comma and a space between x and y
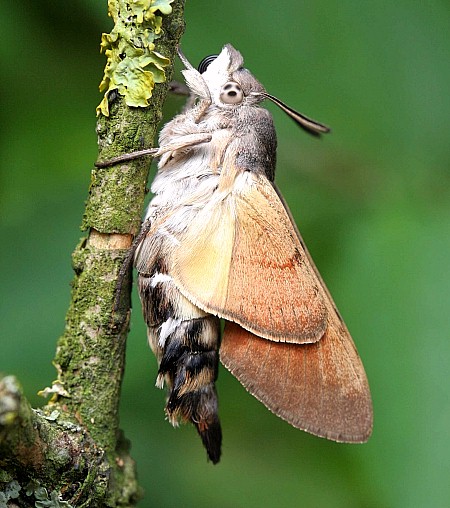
72, 452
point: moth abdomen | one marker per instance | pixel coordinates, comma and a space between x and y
186, 343
190, 362
201, 406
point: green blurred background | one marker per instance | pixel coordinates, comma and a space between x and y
372, 201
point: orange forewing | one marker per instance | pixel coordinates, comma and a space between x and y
320, 388
241, 259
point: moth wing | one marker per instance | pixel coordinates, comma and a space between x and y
320, 388
240, 258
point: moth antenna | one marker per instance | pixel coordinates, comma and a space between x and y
307, 124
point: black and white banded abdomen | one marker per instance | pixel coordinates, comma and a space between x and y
185, 341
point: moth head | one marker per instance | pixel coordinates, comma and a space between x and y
223, 80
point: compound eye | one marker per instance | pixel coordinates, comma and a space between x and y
231, 93
203, 65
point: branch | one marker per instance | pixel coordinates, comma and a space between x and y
36, 446
20, 440
72, 453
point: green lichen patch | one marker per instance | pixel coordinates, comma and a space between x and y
44, 500
8, 491
133, 66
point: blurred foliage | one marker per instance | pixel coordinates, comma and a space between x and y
372, 201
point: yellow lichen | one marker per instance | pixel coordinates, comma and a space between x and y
133, 66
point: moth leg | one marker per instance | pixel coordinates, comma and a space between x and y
126, 157
202, 108
182, 143
186, 342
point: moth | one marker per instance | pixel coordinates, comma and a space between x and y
220, 244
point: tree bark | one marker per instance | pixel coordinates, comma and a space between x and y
72, 452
